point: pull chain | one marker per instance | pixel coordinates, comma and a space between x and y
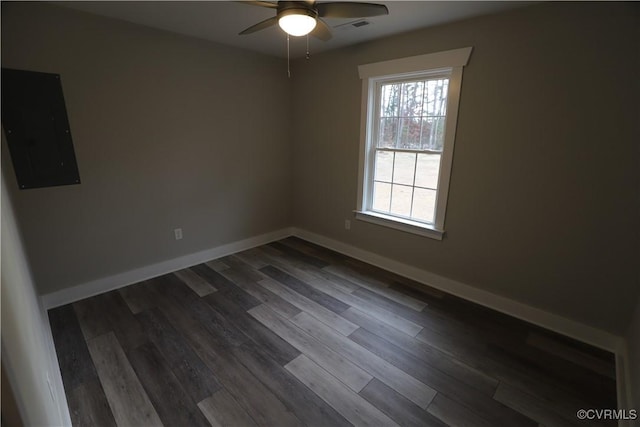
307, 47
288, 58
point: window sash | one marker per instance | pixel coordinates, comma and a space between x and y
376, 86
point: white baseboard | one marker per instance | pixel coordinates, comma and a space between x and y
545, 319
105, 284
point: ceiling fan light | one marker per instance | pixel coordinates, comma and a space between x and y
297, 24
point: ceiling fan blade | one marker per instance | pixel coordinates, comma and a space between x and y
343, 9
321, 31
260, 26
261, 4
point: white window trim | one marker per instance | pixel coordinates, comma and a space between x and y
453, 60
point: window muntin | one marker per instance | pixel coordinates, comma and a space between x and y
406, 146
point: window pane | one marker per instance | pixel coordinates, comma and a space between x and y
409, 133
381, 196
424, 202
388, 133
384, 166
389, 100
435, 97
432, 137
411, 100
427, 170
404, 168
401, 200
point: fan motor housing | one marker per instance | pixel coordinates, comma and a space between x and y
296, 8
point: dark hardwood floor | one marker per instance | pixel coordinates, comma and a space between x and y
292, 334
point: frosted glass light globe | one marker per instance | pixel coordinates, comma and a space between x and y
297, 25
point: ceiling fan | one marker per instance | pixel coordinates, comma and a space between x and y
299, 18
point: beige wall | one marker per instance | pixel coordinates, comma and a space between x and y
169, 132
544, 197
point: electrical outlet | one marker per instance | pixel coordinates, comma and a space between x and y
178, 233
347, 224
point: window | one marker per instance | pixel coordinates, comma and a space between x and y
409, 121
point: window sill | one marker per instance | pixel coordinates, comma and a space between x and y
408, 226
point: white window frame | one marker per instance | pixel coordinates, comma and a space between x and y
449, 62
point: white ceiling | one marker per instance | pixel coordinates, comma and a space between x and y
221, 21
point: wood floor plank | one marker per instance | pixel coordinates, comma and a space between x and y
377, 286
344, 400
252, 258
300, 256
217, 265
537, 380
137, 297
88, 406
414, 390
213, 277
263, 295
272, 257
532, 407
397, 407
327, 317
302, 271
331, 257
178, 296
417, 290
278, 349
480, 403
427, 318
227, 287
347, 372
109, 312
455, 414
196, 378
258, 401
92, 322
306, 405
454, 345
572, 354
75, 362
555, 395
305, 290
126, 396
385, 316
339, 282
245, 269
222, 410
172, 403
195, 282
429, 355
592, 386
